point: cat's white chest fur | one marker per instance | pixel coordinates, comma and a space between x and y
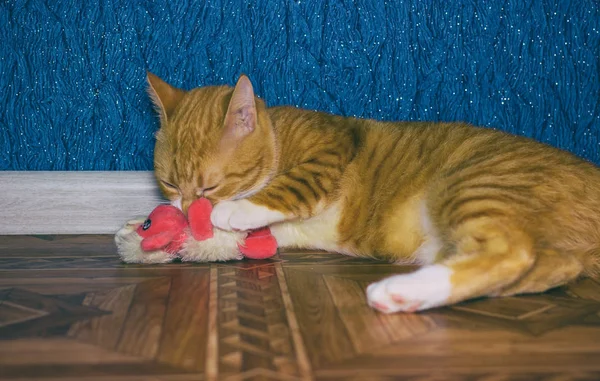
318, 232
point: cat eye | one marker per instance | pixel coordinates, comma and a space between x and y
209, 189
169, 185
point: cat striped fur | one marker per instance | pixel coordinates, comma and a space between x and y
486, 213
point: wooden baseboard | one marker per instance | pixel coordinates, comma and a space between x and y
74, 202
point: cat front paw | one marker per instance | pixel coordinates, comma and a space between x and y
243, 215
426, 288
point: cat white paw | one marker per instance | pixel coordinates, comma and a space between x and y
425, 288
243, 215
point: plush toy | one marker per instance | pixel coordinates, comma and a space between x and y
167, 234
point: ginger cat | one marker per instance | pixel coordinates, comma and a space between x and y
486, 213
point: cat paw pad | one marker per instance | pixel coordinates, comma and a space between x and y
426, 288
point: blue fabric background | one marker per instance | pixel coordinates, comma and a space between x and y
72, 72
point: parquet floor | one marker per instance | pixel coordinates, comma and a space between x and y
69, 310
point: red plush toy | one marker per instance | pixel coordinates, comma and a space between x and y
166, 228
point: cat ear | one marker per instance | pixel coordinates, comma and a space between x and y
240, 119
164, 96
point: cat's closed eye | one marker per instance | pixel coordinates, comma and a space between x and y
211, 188
170, 186
207, 190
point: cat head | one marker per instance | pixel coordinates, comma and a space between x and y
214, 141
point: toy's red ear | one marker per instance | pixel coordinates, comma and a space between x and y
157, 241
199, 219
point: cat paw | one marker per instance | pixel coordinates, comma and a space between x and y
426, 288
243, 215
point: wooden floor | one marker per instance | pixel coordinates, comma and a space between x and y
70, 310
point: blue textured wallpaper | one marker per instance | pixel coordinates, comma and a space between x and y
72, 72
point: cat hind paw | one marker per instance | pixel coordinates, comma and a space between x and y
425, 288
